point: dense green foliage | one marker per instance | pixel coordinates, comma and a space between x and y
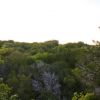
49, 71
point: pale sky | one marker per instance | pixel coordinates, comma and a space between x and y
42, 20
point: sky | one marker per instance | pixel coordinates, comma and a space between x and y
42, 20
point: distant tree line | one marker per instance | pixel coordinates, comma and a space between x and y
49, 71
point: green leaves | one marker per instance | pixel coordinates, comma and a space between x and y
81, 96
5, 93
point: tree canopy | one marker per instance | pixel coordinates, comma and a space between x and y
49, 71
